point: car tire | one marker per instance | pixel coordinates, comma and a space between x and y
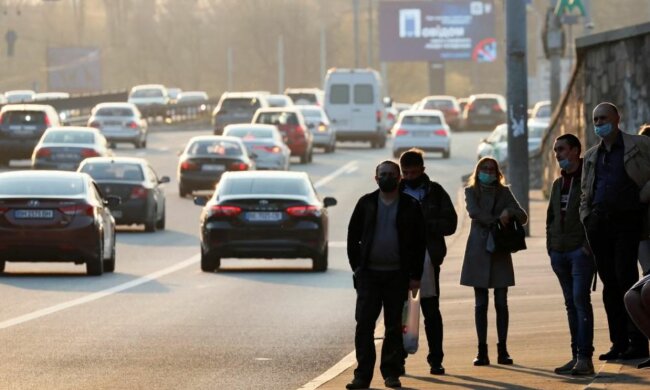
209, 263
304, 159
319, 262
160, 225
2, 266
446, 154
333, 147
4, 162
95, 264
182, 191
382, 142
109, 264
311, 155
151, 224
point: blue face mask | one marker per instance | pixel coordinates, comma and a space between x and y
603, 130
486, 178
564, 164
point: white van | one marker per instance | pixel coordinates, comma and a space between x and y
353, 102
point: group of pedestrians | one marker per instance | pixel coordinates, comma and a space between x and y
597, 218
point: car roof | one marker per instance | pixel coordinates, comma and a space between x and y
486, 96
308, 107
244, 94
73, 129
303, 90
116, 104
213, 137
125, 160
148, 86
266, 174
26, 107
36, 174
440, 97
437, 113
20, 92
193, 93
291, 109
250, 126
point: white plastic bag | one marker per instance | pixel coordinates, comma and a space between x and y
411, 323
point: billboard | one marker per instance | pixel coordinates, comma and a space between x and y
74, 69
437, 31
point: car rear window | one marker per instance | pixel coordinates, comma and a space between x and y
266, 186
217, 148
277, 101
240, 104
114, 111
421, 120
303, 98
114, 171
24, 117
192, 98
69, 137
485, 102
250, 133
147, 93
363, 94
340, 94
438, 104
277, 118
41, 186
316, 114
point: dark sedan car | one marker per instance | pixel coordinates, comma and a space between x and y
137, 185
206, 158
54, 216
265, 214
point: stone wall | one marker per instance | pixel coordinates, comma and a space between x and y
611, 66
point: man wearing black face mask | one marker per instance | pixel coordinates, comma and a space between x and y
440, 220
386, 251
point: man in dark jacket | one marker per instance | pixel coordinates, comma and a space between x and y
440, 220
570, 254
386, 252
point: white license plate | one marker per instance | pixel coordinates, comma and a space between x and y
213, 167
34, 214
116, 213
66, 156
484, 111
422, 133
265, 216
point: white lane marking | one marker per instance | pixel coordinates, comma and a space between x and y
335, 174
100, 294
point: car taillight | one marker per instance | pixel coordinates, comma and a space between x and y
299, 130
3, 210
132, 125
1, 118
269, 149
78, 209
496, 108
94, 124
378, 115
138, 192
441, 132
453, 111
223, 211
48, 123
469, 107
85, 153
239, 166
303, 211
43, 152
390, 116
401, 132
189, 166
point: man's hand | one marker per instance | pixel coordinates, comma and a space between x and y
414, 287
504, 217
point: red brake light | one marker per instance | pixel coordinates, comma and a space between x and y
47, 121
138, 192
441, 132
469, 107
1, 118
132, 125
94, 124
390, 116
43, 152
378, 115
299, 130
3, 210
239, 166
85, 153
303, 211
401, 132
78, 209
188, 166
496, 107
224, 211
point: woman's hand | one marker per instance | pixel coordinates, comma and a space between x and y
504, 217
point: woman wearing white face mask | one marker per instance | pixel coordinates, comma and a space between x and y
489, 200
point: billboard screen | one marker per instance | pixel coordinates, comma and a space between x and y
437, 31
74, 69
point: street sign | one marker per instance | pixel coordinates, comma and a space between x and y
565, 7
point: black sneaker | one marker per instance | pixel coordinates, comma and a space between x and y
393, 382
358, 383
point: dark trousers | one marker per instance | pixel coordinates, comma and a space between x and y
433, 323
614, 239
482, 299
377, 289
575, 271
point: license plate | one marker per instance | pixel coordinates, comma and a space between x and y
66, 156
34, 214
259, 216
213, 167
422, 133
484, 110
116, 213
112, 123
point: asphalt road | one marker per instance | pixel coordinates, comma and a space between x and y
159, 322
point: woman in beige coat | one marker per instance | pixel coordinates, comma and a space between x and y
488, 199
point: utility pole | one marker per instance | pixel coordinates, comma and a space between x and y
554, 48
370, 28
517, 96
280, 64
323, 53
355, 6
229, 68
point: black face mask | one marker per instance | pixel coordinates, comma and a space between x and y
387, 183
414, 183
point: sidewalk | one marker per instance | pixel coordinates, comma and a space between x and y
538, 338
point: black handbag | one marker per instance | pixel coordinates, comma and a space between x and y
508, 238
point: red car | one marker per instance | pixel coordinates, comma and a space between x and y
292, 125
56, 216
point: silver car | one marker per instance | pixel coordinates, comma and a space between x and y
120, 122
264, 144
319, 125
64, 148
423, 129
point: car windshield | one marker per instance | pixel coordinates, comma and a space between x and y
303, 98
311, 113
240, 104
266, 186
41, 186
216, 147
421, 120
114, 111
24, 117
69, 137
147, 93
278, 118
114, 171
250, 133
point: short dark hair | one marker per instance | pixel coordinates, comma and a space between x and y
645, 129
413, 157
388, 162
572, 140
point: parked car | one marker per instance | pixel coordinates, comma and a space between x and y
264, 143
206, 158
496, 144
136, 183
293, 127
237, 107
542, 111
279, 101
56, 217
268, 214
21, 126
448, 105
324, 135
306, 96
120, 122
484, 111
151, 99
423, 129
64, 148
354, 104
20, 96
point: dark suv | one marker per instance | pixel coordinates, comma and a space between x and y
484, 111
21, 126
236, 107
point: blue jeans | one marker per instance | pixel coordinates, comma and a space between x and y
575, 271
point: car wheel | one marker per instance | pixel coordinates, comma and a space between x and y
95, 264
332, 147
4, 161
319, 262
311, 155
182, 191
209, 263
304, 159
160, 225
446, 154
382, 142
150, 225
373, 144
2, 266
144, 143
109, 264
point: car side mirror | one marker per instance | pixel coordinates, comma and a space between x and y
310, 125
164, 179
252, 155
329, 201
201, 200
112, 201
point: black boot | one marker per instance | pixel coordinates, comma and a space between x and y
504, 356
482, 358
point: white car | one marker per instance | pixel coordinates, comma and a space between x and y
422, 129
151, 99
496, 144
20, 96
